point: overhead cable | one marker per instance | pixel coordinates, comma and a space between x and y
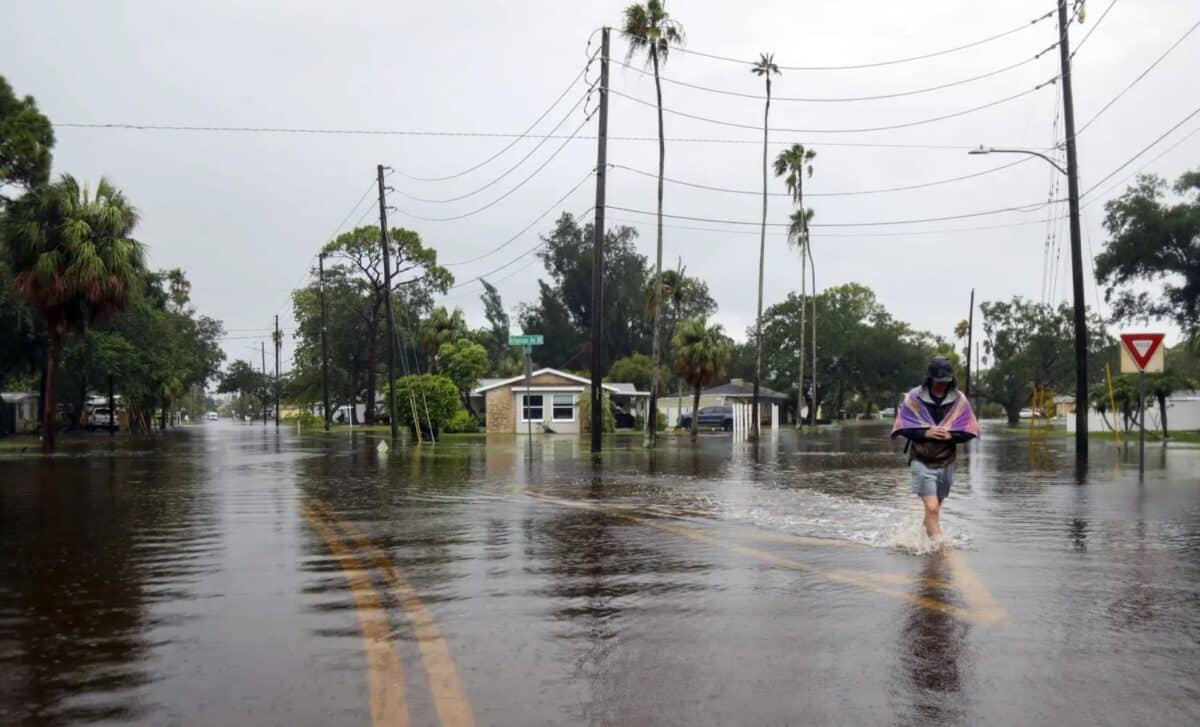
824, 235
506, 172
841, 99
1143, 168
1145, 149
849, 193
1092, 29
504, 196
528, 252
527, 227
887, 127
877, 64
1020, 208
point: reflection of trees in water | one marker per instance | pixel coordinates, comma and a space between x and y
87, 548
931, 651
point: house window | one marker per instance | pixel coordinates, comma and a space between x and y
564, 408
531, 408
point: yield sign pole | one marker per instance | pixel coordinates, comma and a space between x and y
1144, 353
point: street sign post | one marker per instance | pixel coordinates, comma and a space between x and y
527, 341
1142, 352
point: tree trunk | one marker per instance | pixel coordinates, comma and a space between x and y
652, 413
372, 364
162, 416
1162, 410
351, 395
695, 412
800, 397
762, 252
50, 413
812, 264
1014, 413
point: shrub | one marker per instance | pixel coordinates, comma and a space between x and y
609, 420
992, 410
463, 422
436, 399
639, 422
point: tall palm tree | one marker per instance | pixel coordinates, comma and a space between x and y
765, 68
793, 164
75, 262
701, 355
649, 28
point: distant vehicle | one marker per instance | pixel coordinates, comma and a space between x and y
710, 417
887, 413
211, 417
1027, 413
100, 418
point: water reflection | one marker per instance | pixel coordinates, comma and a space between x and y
932, 653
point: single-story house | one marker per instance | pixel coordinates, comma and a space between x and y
737, 391
1064, 404
1183, 414
550, 404
18, 413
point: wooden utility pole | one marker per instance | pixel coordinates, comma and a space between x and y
1081, 336
277, 342
263, 411
387, 302
597, 392
324, 343
970, 334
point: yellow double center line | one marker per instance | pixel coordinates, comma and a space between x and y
385, 674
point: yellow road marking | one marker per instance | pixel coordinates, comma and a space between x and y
990, 615
976, 594
450, 699
385, 674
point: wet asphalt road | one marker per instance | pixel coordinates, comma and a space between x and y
238, 575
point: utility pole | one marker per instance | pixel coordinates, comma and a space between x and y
597, 392
324, 343
970, 336
1081, 337
263, 411
277, 342
387, 302
112, 409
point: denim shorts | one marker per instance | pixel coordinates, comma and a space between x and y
928, 480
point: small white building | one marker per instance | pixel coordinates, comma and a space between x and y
737, 391
1183, 414
550, 404
18, 413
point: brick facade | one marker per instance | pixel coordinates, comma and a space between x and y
501, 410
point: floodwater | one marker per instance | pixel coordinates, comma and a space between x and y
235, 574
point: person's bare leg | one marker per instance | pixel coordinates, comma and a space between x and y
933, 527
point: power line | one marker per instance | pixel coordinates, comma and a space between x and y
516, 138
1135, 81
1143, 168
841, 99
483, 135
882, 223
527, 227
1093, 28
852, 193
1145, 149
887, 127
528, 252
824, 235
504, 196
508, 171
878, 64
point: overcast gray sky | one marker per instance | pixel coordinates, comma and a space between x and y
244, 213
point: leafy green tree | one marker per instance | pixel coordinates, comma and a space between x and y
1154, 240
701, 355
1161, 386
634, 369
416, 276
765, 68
75, 262
433, 332
1031, 344
242, 379
649, 28
431, 398
349, 315
463, 362
26, 138
685, 297
495, 337
608, 419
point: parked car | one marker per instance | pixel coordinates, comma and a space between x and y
888, 413
211, 417
710, 417
101, 418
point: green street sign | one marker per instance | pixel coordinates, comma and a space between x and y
528, 339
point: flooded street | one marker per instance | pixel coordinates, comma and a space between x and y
242, 575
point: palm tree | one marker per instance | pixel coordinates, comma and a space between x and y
649, 28
75, 262
701, 355
793, 164
766, 68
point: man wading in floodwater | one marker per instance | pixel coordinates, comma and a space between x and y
935, 418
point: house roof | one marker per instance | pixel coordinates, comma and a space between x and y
12, 397
486, 385
739, 389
